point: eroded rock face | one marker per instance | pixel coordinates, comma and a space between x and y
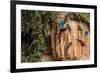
73, 44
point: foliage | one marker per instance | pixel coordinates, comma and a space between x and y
85, 16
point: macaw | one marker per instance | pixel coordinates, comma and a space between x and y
81, 42
61, 24
86, 33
